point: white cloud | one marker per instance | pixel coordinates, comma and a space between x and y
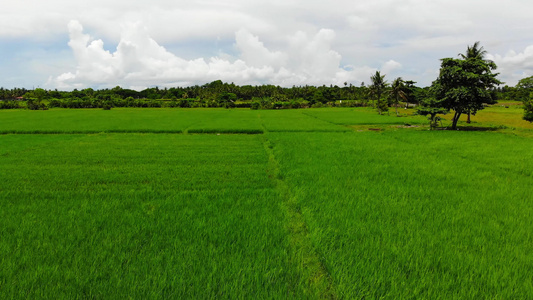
255, 54
514, 66
513, 60
140, 61
390, 66
288, 33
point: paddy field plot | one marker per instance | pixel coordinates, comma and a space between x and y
140, 214
412, 214
214, 203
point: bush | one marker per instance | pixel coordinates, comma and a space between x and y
350, 103
226, 100
154, 103
10, 104
528, 110
243, 105
54, 103
255, 105
36, 105
184, 103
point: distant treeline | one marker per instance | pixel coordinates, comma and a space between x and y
214, 94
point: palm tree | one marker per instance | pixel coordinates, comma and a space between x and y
397, 91
378, 86
473, 52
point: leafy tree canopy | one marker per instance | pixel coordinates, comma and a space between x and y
465, 84
525, 83
377, 88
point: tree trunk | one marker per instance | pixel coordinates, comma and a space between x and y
455, 119
396, 106
468, 119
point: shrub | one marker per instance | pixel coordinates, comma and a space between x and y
184, 103
10, 104
54, 103
36, 105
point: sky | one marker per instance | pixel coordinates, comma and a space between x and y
68, 44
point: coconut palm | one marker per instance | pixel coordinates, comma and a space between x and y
378, 86
473, 52
397, 92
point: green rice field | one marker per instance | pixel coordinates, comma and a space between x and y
262, 204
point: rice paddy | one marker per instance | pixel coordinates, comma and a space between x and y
215, 203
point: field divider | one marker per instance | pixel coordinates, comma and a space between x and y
316, 280
90, 131
126, 131
323, 120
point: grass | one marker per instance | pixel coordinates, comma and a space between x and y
416, 214
138, 204
95, 120
149, 216
504, 115
295, 121
226, 121
365, 116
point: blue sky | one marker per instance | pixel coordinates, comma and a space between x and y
136, 44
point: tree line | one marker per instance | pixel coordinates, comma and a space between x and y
214, 94
464, 85
218, 93
211, 92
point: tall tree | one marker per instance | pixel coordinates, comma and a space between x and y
397, 92
377, 87
465, 84
410, 95
473, 52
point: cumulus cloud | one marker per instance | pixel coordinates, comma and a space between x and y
275, 41
514, 66
390, 66
139, 61
513, 60
254, 52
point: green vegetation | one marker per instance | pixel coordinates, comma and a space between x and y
398, 91
137, 204
377, 88
150, 216
528, 110
433, 108
412, 215
466, 84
